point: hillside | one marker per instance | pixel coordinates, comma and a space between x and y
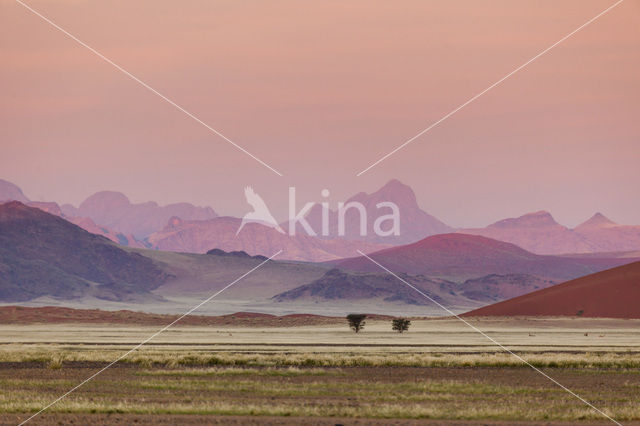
496, 287
44, 255
460, 256
341, 285
198, 275
200, 236
613, 293
11, 192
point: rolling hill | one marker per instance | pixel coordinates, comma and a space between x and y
337, 284
496, 287
460, 256
44, 255
614, 293
198, 275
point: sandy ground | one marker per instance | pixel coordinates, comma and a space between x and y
175, 304
424, 334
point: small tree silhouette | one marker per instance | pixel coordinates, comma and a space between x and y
356, 321
400, 324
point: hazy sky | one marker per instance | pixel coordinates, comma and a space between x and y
320, 90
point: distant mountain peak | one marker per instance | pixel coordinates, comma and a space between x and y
597, 220
107, 197
395, 183
529, 220
415, 223
10, 191
394, 190
397, 188
115, 211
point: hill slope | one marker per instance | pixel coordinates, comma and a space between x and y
460, 256
200, 236
44, 255
11, 192
613, 293
342, 285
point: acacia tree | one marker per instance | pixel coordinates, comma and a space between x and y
400, 324
356, 321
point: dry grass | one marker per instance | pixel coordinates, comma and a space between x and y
55, 355
381, 393
435, 371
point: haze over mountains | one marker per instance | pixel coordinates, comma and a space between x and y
43, 255
539, 233
10, 191
115, 211
461, 256
415, 222
187, 228
199, 236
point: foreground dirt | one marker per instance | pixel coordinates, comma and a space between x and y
136, 419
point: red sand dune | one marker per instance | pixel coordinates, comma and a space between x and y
614, 293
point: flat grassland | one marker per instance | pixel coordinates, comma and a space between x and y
440, 371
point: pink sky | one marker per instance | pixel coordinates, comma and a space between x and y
320, 91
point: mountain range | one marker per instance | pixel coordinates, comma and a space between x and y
415, 223
199, 236
539, 233
338, 284
114, 211
184, 227
44, 255
461, 256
